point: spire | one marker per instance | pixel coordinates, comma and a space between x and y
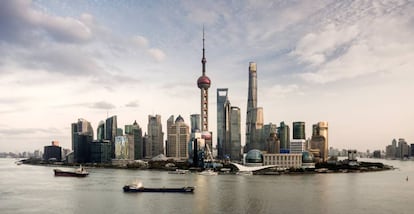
203, 60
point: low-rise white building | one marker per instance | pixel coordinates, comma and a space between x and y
297, 146
283, 160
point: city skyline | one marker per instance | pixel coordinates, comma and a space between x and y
347, 63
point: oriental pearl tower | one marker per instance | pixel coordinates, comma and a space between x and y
204, 83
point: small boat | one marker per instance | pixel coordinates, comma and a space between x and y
79, 172
208, 172
137, 187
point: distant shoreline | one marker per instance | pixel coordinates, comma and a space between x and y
337, 167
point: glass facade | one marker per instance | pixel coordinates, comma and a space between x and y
254, 156
299, 130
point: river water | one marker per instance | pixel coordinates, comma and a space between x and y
34, 189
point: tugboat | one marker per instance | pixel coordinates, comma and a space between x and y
79, 172
137, 187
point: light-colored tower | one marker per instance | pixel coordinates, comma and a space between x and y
178, 137
254, 118
252, 96
323, 131
204, 83
155, 136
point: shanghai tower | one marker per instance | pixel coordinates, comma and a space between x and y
254, 118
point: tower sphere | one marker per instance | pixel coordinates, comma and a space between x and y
204, 82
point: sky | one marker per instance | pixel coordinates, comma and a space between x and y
349, 63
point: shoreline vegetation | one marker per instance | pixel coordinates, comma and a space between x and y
342, 166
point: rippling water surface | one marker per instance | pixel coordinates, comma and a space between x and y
34, 189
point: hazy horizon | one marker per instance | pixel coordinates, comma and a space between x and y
345, 62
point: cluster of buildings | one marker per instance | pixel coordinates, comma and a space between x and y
399, 149
265, 143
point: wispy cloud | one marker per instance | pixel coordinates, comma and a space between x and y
102, 105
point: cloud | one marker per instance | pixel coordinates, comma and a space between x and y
28, 131
140, 41
358, 42
102, 105
157, 54
132, 104
315, 48
26, 24
283, 91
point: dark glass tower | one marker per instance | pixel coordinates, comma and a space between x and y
223, 122
284, 137
111, 128
299, 130
235, 133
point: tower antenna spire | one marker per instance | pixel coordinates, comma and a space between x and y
203, 60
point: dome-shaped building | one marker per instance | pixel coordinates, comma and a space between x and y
254, 158
308, 160
307, 157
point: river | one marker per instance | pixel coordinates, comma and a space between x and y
34, 189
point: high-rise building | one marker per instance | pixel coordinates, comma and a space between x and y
195, 123
155, 136
100, 151
299, 130
269, 138
82, 136
254, 118
403, 149
194, 145
223, 123
204, 83
53, 152
111, 128
283, 133
136, 145
235, 134
319, 141
100, 132
178, 137
121, 147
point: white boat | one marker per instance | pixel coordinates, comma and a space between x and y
208, 172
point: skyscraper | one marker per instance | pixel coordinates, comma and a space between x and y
178, 136
319, 141
195, 123
254, 118
235, 133
283, 132
269, 137
110, 132
155, 136
299, 130
136, 147
100, 131
82, 136
223, 123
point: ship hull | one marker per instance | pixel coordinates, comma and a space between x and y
59, 172
172, 190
